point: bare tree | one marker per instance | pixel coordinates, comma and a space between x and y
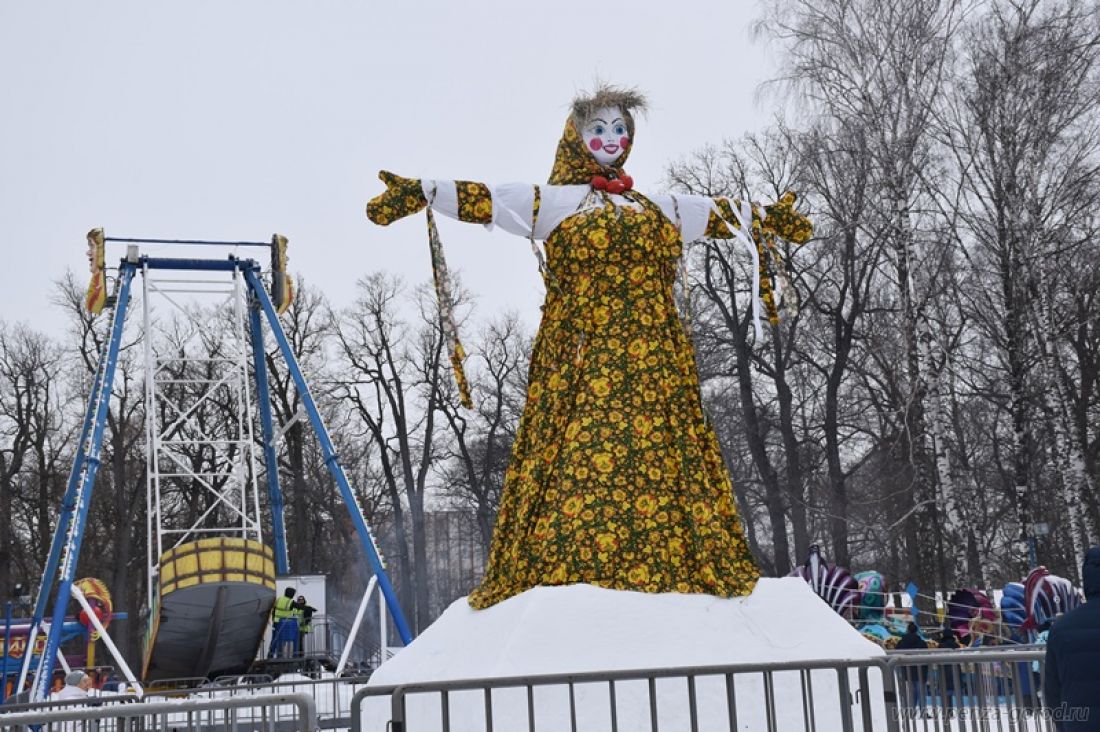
881, 66
477, 454
1022, 128
391, 383
31, 425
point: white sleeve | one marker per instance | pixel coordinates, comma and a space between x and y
514, 203
513, 207
694, 213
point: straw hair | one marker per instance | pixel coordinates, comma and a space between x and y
627, 99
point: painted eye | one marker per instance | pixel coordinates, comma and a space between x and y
598, 129
620, 130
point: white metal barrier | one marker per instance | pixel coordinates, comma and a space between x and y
965, 690
331, 696
968, 690
976, 690
273, 713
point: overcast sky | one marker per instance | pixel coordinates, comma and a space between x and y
234, 120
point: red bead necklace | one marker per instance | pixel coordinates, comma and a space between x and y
616, 185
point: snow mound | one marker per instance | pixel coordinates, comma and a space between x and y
579, 628
582, 628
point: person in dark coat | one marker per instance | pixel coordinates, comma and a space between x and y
948, 640
914, 675
912, 639
305, 620
1071, 678
948, 671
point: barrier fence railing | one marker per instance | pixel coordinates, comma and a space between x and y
761, 696
332, 696
967, 690
55, 705
271, 713
972, 689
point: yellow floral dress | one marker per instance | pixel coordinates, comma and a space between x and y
616, 477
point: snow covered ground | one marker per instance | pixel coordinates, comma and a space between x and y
580, 628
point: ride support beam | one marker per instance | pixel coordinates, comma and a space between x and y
68, 503
271, 460
85, 485
331, 459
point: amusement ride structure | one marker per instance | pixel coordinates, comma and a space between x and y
211, 574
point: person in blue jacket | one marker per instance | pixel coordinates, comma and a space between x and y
1071, 680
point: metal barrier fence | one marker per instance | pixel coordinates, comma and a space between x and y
976, 690
760, 696
273, 713
332, 696
965, 690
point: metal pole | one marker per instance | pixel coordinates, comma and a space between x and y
68, 502
355, 626
241, 300
62, 661
152, 449
123, 666
7, 652
383, 630
199, 242
271, 460
86, 485
331, 459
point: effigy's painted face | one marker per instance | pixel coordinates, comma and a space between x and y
605, 135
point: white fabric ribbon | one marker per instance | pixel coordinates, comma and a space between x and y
744, 234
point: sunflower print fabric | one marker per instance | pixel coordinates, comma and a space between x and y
780, 221
616, 477
444, 294
403, 197
475, 203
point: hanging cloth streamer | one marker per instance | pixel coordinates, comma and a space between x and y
743, 233
534, 244
445, 297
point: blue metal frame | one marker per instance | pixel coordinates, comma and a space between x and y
85, 485
68, 502
271, 460
332, 461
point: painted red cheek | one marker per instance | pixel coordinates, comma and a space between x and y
624, 143
595, 143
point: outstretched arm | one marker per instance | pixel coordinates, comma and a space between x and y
779, 219
700, 217
519, 208
463, 200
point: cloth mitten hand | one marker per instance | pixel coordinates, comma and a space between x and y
403, 197
784, 221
